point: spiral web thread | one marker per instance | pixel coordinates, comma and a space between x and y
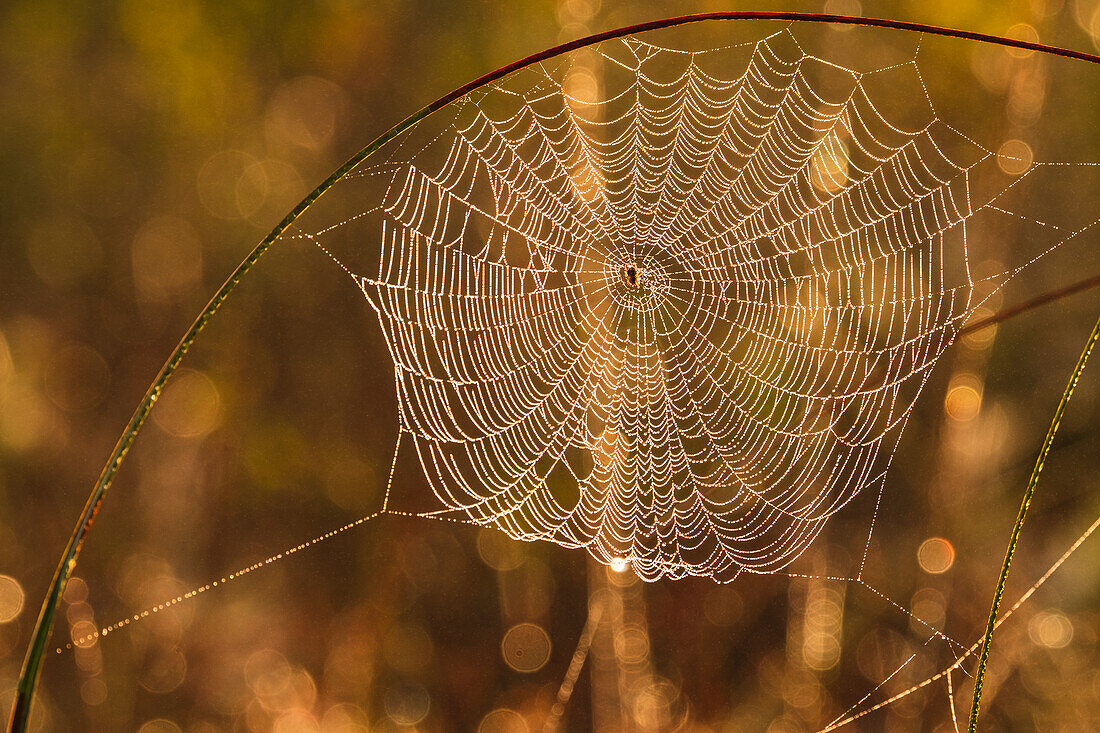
680, 325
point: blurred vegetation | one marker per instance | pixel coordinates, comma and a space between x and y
147, 146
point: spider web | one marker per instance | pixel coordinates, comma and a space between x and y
673, 317
676, 307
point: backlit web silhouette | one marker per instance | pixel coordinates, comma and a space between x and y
675, 317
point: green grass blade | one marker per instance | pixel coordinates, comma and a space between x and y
983, 657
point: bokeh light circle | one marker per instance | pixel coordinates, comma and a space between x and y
936, 555
526, 647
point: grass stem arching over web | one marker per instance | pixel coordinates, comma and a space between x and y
67, 564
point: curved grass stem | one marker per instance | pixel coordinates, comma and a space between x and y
983, 657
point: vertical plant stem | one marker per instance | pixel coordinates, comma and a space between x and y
983, 657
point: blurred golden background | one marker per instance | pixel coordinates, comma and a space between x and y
146, 147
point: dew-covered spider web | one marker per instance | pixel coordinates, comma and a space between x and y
676, 307
677, 312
